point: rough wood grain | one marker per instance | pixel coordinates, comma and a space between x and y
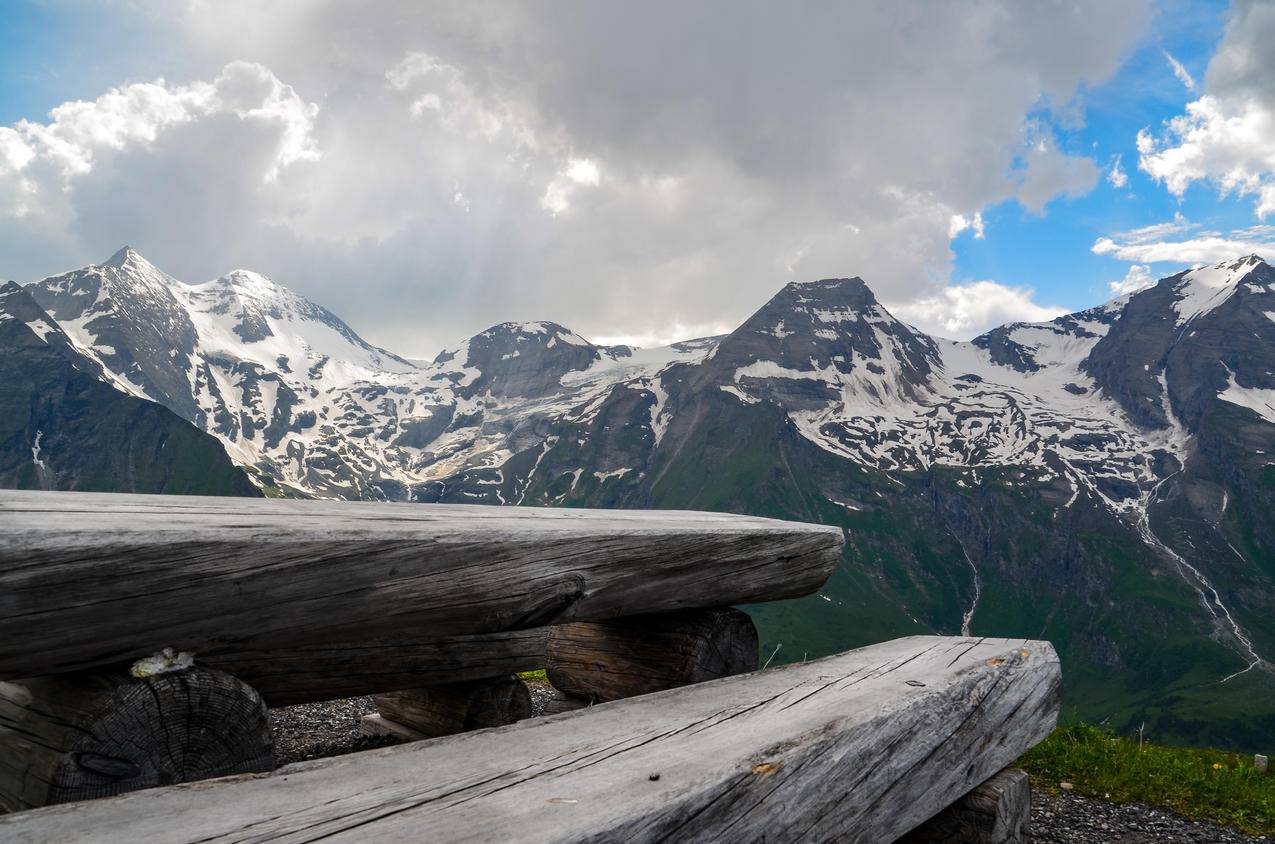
199, 574
637, 655
858, 747
458, 707
997, 811
101, 733
329, 670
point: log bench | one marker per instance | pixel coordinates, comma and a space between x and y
864, 746
301, 601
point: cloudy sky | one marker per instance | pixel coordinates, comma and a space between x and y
640, 172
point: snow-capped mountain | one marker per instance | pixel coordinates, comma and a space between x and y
1103, 479
303, 401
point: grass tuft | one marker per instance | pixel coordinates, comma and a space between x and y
1198, 784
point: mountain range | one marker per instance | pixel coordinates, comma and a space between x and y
1104, 480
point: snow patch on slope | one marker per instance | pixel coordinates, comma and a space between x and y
1200, 291
1260, 401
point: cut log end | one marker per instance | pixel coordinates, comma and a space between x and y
635, 655
457, 707
996, 812
82, 736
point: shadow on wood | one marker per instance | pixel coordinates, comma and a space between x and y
996, 812
457, 707
640, 654
376, 724
330, 670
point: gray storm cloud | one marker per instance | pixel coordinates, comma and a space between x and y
631, 170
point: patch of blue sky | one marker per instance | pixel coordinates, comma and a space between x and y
1052, 251
60, 50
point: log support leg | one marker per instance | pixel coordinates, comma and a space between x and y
434, 711
996, 812
640, 654
560, 702
94, 734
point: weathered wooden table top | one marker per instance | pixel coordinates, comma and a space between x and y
88, 579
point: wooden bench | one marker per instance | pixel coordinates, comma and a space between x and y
142, 637
864, 746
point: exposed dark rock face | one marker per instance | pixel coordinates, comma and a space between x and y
65, 427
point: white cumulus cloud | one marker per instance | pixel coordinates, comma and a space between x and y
1180, 241
1137, 278
79, 132
961, 222
961, 311
425, 172
1226, 137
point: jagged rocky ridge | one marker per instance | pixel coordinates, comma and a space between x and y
1102, 479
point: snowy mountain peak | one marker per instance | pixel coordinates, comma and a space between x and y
251, 283
125, 255
854, 287
832, 333
547, 333
521, 358
1201, 290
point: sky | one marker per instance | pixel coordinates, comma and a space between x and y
640, 172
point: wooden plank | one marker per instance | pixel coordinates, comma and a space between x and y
640, 654
197, 574
330, 670
99, 733
997, 811
860, 747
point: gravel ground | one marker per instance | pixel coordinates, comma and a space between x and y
331, 728
316, 730
1070, 819
541, 694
